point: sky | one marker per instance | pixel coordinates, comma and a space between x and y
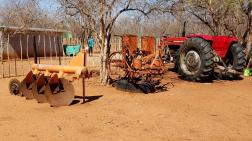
49, 5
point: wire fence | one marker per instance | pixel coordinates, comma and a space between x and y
20, 51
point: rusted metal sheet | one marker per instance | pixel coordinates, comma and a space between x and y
148, 44
130, 41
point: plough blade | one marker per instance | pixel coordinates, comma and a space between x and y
26, 85
59, 91
38, 89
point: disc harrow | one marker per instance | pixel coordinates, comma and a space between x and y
53, 84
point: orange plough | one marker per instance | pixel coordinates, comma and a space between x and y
53, 84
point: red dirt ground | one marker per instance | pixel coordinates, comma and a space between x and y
219, 111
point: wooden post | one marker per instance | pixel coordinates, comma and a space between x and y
55, 46
38, 49
8, 53
72, 43
62, 45
15, 65
2, 56
21, 47
44, 48
83, 80
83, 89
50, 48
35, 50
27, 50
59, 50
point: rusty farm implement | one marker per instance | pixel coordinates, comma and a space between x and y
136, 70
53, 84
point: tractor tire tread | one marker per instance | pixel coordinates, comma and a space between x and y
206, 54
239, 57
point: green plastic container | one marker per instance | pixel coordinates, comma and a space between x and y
71, 50
247, 72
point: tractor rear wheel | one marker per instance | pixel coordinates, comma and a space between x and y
195, 60
236, 58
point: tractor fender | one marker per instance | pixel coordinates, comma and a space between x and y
233, 40
205, 37
220, 44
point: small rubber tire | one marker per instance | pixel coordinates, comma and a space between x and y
14, 87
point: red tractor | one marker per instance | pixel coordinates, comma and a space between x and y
200, 57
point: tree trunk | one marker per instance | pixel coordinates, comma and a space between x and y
105, 52
248, 46
249, 38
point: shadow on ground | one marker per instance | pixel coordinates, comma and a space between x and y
78, 99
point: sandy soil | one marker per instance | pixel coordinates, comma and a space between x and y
219, 111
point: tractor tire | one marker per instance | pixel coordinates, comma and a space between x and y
236, 57
195, 60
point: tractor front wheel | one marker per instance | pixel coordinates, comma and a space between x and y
195, 60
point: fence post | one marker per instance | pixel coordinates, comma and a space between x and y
2, 56
44, 47
62, 46
27, 50
59, 50
35, 50
15, 61
21, 48
55, 46
83, 79
50, 42
8, 53
39, 48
